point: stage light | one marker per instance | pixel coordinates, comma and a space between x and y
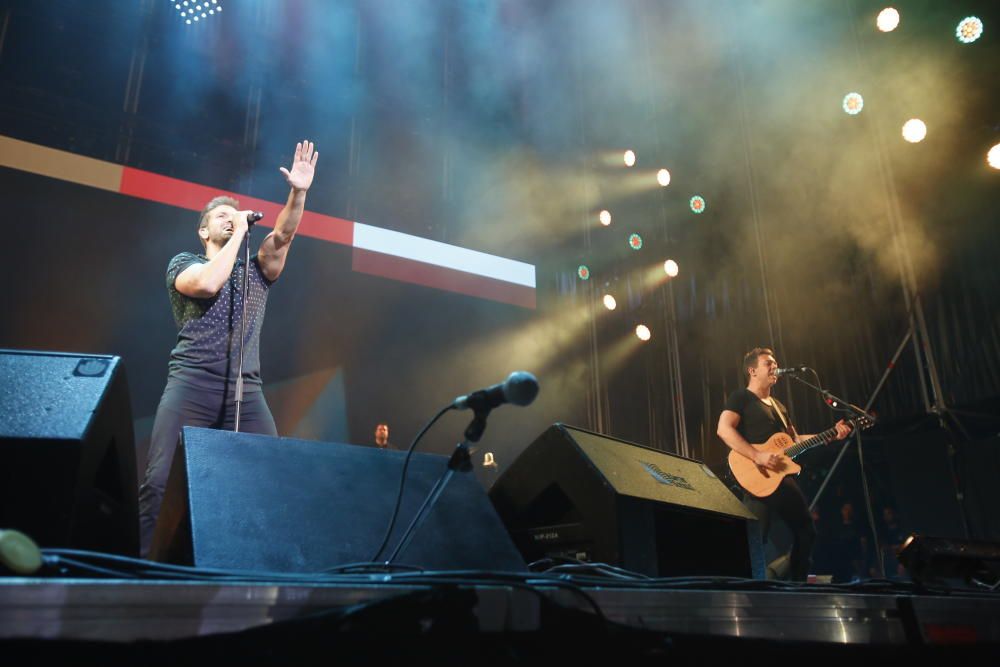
635, 241
604, 217
670, 268
642, 331
609, 302
663, 177
887, 19
914, 130
697, 204
190, 12
853, 103
993, 157
969, 30
629, 158
583, 272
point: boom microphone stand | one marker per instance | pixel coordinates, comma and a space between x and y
460, 461
841, 405
251, 219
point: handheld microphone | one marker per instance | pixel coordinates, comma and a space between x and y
520, 388
778, 372
253, 217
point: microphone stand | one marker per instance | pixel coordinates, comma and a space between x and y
839, 404
243, 331
460, 461
831, 400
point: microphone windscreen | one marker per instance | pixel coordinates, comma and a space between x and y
520, 388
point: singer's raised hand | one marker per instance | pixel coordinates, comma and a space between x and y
274, 248
300, 177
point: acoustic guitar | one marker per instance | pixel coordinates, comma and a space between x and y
762, 482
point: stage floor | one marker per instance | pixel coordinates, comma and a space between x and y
125, 610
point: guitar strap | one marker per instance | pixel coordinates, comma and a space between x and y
781, 415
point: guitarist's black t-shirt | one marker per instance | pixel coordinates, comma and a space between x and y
758, 420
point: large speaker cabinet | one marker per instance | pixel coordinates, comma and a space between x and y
582, 495
67, 451
254, 502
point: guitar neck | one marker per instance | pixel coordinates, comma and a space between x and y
827, 436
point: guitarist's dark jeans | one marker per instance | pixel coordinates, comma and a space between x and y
789, 504
185, 405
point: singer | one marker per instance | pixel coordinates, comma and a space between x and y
207, 301
752, 415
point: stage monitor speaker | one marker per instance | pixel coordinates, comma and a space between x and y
67, 451
240, 501
577, 494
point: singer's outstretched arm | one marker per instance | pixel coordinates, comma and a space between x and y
274, 247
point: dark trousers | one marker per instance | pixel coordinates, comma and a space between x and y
185, 405
789, 504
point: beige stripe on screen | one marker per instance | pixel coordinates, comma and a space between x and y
65, 166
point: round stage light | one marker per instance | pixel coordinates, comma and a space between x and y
697, 204
670, 268
887, 19
642, 331
969, 30
604, 217
583, 272
914, 130
993, 157
609, 302
635, 241
663, 177
853, 103
629, 158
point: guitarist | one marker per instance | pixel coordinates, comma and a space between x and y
752, 415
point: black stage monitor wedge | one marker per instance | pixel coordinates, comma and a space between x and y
577, 494
240, 501
67, 451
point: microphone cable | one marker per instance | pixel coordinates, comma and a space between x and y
402, 480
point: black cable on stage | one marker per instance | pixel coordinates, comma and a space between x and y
564, 576
402, 480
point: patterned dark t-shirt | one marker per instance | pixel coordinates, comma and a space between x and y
207, 351
758, 420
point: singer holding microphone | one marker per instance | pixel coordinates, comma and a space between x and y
752, 415
206, 295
